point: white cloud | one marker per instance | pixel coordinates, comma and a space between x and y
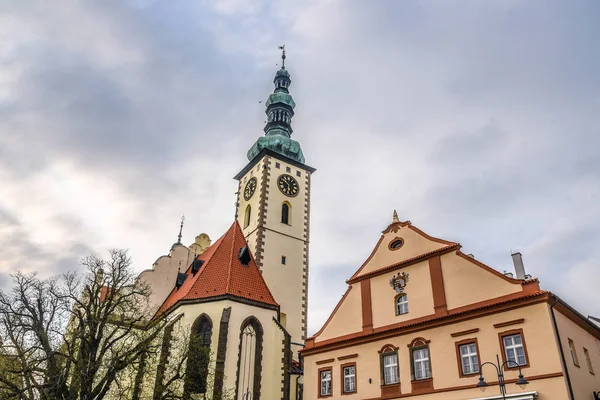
477, 123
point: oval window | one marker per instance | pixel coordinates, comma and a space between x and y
396, 244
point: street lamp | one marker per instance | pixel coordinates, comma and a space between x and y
482, 385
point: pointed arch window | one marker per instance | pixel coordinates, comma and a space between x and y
247, 215
250, 360
286, 209
198, 356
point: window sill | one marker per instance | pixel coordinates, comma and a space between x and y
516, 368
469, 375
352, 392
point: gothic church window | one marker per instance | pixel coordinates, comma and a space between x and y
198, 356
285, 213
250, 360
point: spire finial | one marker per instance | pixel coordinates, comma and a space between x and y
282, 48
395, 217
180, 229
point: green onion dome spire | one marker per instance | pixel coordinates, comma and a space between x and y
280, 110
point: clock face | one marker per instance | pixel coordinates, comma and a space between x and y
250, 188
288, 185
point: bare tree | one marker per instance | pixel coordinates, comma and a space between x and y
73, 336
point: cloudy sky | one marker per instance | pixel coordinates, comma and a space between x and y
477, 120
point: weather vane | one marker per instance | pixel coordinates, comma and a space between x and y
282, 48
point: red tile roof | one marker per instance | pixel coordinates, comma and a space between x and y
222, 274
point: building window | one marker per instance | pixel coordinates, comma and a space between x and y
396, 244
419, 359
421, 366
247, 216
250, 359
298, 174
288, 169
389, 365
325, 382
349, 378
285, 213
514, 350
401, 304
588, 360
573, 352
468, 357
198, 356
283, 260
277, 165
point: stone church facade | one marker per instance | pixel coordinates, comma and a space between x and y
245, 295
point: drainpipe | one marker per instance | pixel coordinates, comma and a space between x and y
562, 353
298, 388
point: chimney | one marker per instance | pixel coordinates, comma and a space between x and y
519, 267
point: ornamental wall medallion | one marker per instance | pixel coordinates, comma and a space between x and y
398, 282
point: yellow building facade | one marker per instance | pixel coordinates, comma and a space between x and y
430, 315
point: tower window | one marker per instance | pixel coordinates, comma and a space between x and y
283, 260
247, 216
288, 169
277, 165
285, 213
298, 173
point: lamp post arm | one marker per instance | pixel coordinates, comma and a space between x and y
504, 365
498, 371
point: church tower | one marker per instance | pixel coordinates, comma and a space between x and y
273, 207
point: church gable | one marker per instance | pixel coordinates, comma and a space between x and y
227, 268
400, 242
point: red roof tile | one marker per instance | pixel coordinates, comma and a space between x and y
223, 274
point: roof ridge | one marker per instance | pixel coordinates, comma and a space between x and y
230, 263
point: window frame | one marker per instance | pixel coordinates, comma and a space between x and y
320, 381
588, 361
387, 350
459, 357
288, 220
513, 332
396, 298
426, 383
343, 378
413, 362
573, 350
